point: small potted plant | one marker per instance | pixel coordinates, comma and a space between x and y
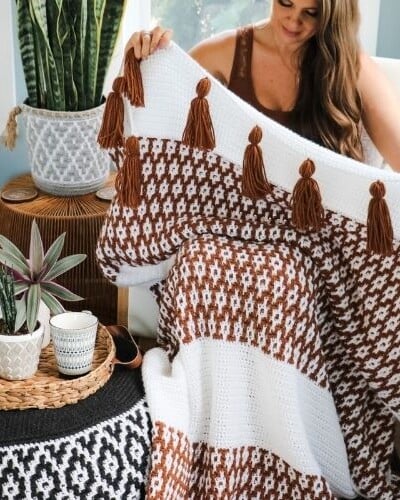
25, 283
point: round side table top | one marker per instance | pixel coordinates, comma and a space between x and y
48, 205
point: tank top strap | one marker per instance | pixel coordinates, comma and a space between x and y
241, 67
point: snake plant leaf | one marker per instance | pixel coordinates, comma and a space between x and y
32, 306
79, 64
95, 20
45, 56
109, 34
58, 32
27, 48
64, 265
21, 314
52, 303
54, 252
36, 253
14, 262
59, 291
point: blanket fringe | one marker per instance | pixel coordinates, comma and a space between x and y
307, 210
379, 224
134, 85
199, 130
111, 133
254, 181
128, 179
9, 136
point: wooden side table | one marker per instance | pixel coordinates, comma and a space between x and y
81, 217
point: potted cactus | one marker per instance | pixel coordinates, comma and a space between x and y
66, 48
25, 284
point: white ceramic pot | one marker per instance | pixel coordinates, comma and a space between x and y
74, 336
64, 155
19, 354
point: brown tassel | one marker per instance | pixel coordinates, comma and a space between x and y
199, 130
134, 84
111, 133
307, 209
254, 180
128, 179
379, 225
9, 136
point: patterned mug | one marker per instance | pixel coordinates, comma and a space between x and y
74, 337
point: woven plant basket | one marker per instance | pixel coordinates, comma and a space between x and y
65, 157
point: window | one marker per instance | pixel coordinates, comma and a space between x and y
194, 20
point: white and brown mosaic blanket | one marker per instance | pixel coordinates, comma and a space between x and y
278, 374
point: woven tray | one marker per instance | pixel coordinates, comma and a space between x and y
48, 390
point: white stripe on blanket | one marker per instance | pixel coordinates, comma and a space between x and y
230, 395
169, 89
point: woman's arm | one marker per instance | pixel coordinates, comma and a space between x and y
381, 110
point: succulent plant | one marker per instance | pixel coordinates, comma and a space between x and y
34, 276
8, 306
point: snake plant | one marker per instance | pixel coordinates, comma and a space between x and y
66, 47
34, 276
8, 307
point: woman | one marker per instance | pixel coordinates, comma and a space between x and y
263, 334
304, 68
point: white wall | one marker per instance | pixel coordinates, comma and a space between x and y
369, 25
8, 92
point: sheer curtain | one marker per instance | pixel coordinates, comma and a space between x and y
136, 17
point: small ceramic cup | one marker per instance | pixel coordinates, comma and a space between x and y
74, 337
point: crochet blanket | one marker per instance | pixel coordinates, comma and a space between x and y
278, 270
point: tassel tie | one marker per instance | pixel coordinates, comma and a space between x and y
134, 85
199, 130
128, 179
9, 136
111, 133
307, 209
379, 225
254, 180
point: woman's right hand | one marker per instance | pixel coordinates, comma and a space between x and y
146, 42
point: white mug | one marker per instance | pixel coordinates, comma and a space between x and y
74, 337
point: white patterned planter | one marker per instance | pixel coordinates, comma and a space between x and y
19, 354
65, 157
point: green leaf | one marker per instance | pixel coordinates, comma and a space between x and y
54, 98
20, 287
21, 314
32, 306
9, 247
27, 49
79, 63
64, 265
36, 254
52, 303
60, 291
11, 260
54, 252
109, 33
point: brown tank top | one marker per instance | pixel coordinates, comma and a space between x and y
241, 81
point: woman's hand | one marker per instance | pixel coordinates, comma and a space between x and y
146, 42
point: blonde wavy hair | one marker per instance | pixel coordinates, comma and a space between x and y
328, 108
